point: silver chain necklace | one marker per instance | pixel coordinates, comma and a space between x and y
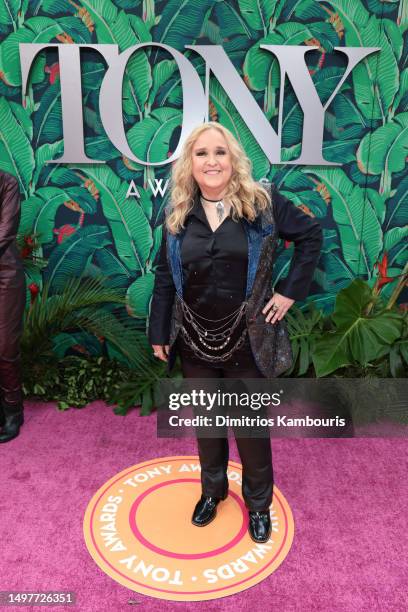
220, 336
219, 207
213, 358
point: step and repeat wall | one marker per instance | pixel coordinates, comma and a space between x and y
97, 95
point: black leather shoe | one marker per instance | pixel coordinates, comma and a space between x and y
11, 427
205, 510
259, 526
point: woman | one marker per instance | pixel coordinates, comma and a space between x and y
212, 298
12, 300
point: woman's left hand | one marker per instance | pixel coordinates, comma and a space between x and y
277, 307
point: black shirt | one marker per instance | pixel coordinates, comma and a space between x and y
214, 264
214, 276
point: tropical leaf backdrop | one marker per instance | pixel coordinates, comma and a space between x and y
82, 222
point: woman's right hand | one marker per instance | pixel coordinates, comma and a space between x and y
161, 351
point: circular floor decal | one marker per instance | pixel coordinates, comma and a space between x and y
138, 530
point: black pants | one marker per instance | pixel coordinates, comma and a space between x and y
255, 453
12, 301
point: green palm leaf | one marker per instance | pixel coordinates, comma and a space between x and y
401, 99
341, 151
100, 147
130, 228
377, 202
182, 20
45, 153
139, 295
76, 29
48, 116
346, 112
397, 206
402, 18
82, 305
338, 274
34, 30
162, 72
258, 14
9, 10
395, 236
64, 342
304, 10
385, 150
115, 26
112, 268
230, 22
16, 154
376, 79
381, 8
359, 229
53, 7
38, 212
149, 139
71, 257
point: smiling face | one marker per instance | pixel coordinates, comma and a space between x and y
211, 163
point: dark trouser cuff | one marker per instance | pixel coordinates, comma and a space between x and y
11, 391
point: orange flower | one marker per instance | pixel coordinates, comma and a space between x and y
34, 291
383, 279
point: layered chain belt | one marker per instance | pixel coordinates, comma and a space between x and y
216, 338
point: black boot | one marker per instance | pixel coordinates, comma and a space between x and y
206, 510
11, 399
2, 417
259, 526
13, 419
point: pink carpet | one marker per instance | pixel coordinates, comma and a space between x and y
349, 499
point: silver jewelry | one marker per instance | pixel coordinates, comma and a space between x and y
216, 338
213, 358
219, 207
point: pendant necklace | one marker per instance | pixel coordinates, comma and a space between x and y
219, 207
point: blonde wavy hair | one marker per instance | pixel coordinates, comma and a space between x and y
247, 197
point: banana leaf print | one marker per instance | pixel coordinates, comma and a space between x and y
149, 139
376, 79
112, 267
70, 259
397, 206
361, 205
38, 212
130, 228
16, 154
181, 20
225, 23
385, 151
359, 229
139, 294
381, 8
